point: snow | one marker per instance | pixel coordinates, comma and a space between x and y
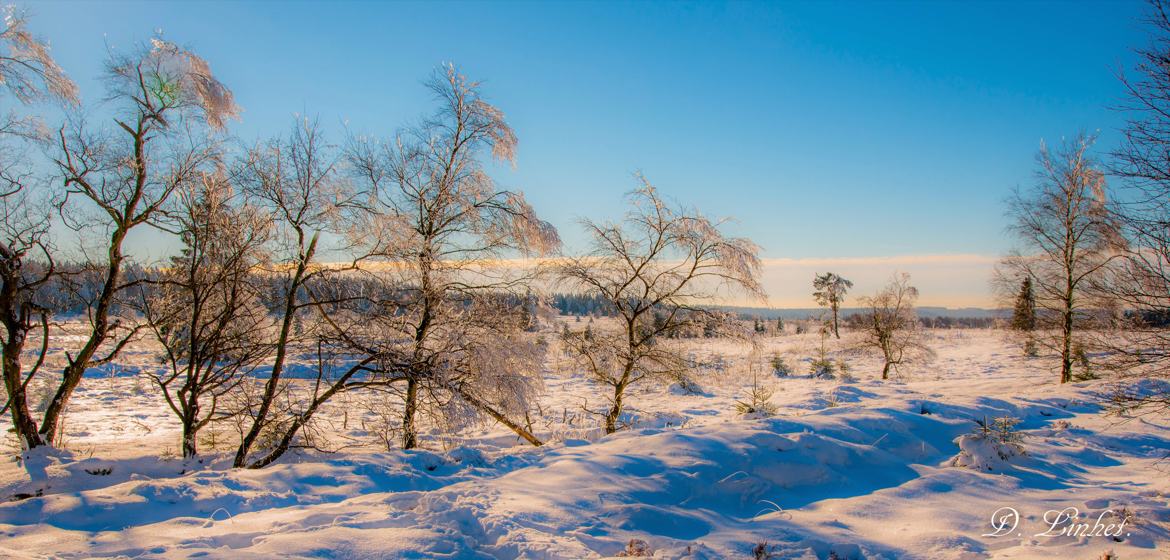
869, 469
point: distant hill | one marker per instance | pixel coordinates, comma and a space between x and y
802, 313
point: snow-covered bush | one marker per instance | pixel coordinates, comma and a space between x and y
688, 385
636, 548
991, 446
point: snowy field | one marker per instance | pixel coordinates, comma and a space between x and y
861, 469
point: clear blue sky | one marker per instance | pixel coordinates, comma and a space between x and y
828, 130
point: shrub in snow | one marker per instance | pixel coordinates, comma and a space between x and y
991, 446
688, 386
758, 402
1031, 349
1081, 358
762, 551
833, 400
823, 368
780, 367
637, 548
468, 456
846, 374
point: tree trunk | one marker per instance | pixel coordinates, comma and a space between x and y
615, 411
303, 418
1066, 347
75, 370
499, 416
836, 331
273, 383
190, 432
886, 370
26, 427
409, 436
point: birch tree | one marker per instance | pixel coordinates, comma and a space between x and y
1067, 238
168, 107
657, 268
440, 225
890, 325
1141, 284
295, 180
29, 75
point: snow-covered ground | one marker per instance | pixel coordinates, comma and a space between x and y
864, 469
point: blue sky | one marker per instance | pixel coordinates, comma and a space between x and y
879, 133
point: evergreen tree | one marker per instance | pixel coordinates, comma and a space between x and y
1024, 316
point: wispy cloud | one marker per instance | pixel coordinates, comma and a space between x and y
958, 280
907, 260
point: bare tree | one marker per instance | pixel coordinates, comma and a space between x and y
168, 105
26, 267
830, 292
656, 268
1142, 284
205, 309
296, 181
1067, 237
29, 74
891, 326
441, 225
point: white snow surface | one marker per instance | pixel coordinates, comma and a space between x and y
869, 469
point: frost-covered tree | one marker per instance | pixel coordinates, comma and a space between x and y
28, 74
204, 310
660, 260
295, 180
830, 292
167, 108
1068, 237
441, 226
890, 325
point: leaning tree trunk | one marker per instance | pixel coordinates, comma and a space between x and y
273, 384
615, 411
499, 417
75, 370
